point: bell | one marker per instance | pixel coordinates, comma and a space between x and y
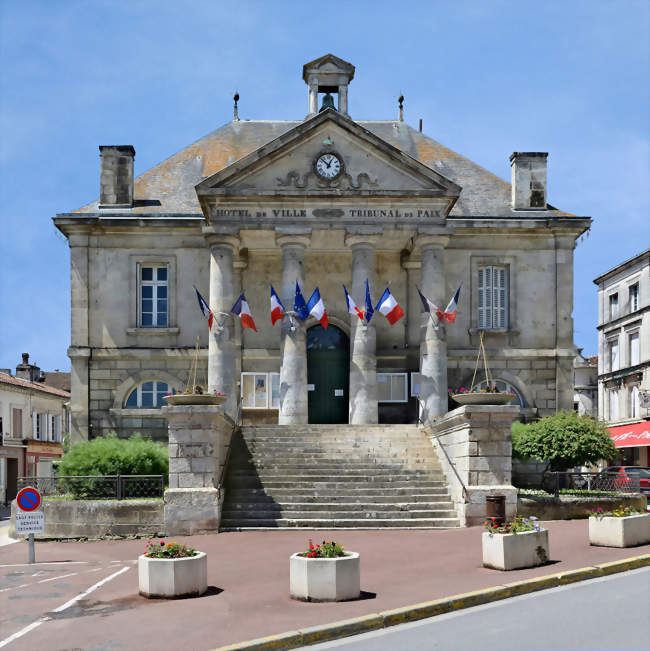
328, 102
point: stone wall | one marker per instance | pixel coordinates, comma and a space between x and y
569, 507
98, 519
475, 450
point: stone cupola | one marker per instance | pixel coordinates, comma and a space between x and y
328, 74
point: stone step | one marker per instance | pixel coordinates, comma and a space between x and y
311, 472
286, 496
336, 523
334, 483
359, 514
272, 506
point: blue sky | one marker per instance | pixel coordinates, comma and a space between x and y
487, 78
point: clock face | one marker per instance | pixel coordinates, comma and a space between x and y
328, 166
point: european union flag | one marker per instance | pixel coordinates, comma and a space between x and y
369, 309
299, 305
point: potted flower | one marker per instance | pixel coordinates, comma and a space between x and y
514, 545
621, 527
325, 572
170, 570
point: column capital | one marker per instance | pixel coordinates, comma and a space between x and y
214, 237
292, 235
353, 239
426, 241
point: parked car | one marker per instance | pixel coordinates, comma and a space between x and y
620, 477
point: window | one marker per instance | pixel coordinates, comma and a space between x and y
17, 423
492, 297
391, 387
634, 402
153, 296
148, 395
39, 426
613, 405
634, 349
634, 297
255, 392
613, 355
502, 385
415, 384
613, 306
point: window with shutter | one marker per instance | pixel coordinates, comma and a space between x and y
17, 425
35, 431
492, 297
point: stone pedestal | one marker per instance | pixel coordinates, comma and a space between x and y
477, 441
199, 436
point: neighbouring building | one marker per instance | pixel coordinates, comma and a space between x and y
624, 356
33, 421
585, 385
326, 200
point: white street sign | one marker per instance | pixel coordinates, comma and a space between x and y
33, 522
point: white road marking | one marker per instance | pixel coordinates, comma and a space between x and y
66, 605
48, 563
26, 585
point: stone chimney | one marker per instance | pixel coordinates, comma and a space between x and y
528, 180
116, 176
27, 371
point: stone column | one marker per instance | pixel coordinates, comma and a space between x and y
433, 346
239, 265
198, 438
363, 338
79, 351
221, 359
293, 342
343, 99
313, 98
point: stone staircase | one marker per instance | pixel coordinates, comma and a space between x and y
335, 476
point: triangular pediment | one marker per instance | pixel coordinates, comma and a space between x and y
369, 166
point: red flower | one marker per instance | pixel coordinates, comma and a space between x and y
162, 543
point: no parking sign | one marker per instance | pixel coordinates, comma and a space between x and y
28, 520
28, 499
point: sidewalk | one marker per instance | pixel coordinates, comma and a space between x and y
248, 575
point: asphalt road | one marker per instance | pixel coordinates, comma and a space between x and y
606, 613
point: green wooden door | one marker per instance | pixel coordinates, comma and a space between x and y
328, 374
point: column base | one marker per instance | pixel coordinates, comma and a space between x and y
190, 511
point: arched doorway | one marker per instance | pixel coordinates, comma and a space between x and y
328, 374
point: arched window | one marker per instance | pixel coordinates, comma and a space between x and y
502, 385
147, 395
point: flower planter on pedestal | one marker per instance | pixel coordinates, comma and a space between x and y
512, 551
194, 399
325, 579
483, 398
168, 578
619, 532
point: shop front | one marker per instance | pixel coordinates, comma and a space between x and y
633, 443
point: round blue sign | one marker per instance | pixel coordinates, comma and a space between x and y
28, 499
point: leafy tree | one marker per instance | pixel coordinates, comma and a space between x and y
564, 440
110, 455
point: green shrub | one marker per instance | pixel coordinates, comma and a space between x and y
564, 440
518, 430
109, 455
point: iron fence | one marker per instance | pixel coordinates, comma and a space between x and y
556, 482
98, 487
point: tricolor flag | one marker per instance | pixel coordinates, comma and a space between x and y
277, 309
450, 310
316, 308
430, 307
369, 310
207, 312
299, 305
389, 307
352, 307
241, 309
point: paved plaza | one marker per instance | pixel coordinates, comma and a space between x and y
84, 595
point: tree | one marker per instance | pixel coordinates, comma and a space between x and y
564, 440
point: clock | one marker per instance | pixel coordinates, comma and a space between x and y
328, 165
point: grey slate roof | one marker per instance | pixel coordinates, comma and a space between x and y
168, 188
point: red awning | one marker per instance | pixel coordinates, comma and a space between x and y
631, 436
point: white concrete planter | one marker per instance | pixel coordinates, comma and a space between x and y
512, 551
325, 579
167, 578
619, 532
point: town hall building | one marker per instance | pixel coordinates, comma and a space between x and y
325, 200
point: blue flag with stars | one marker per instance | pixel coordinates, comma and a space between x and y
299, 305
369, 309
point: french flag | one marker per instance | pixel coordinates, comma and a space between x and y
207, 312
450, 310
389, 307
241, 309
316, 308
277, 309
430, 307
352, 307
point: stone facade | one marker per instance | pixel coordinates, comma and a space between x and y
245, 207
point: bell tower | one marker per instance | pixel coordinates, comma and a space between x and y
328, 75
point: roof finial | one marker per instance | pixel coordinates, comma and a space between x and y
400, 99
236, 112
